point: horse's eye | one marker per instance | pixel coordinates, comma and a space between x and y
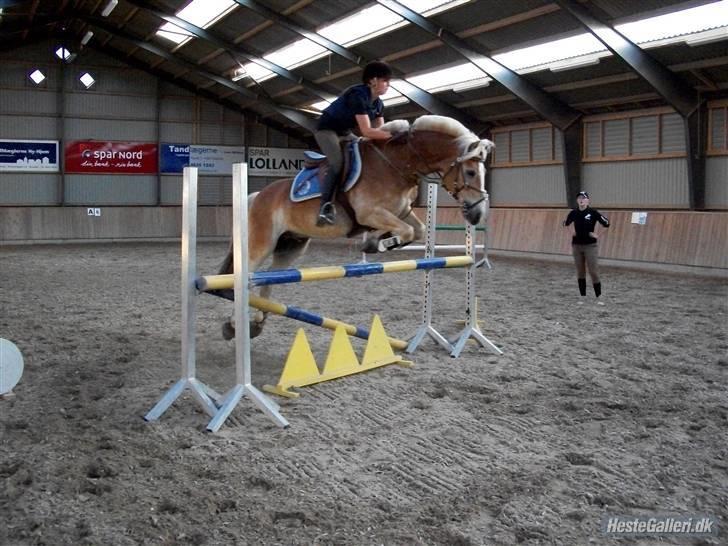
470, 172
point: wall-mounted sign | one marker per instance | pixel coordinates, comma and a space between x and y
275, 161
91, 156
29, 155
210, 160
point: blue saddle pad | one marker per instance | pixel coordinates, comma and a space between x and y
306, 185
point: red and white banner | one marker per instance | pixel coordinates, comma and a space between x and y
92, 156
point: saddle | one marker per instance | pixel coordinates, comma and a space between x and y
307, 183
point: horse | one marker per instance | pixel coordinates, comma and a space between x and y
380, 203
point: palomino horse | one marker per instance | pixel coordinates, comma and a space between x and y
380, 203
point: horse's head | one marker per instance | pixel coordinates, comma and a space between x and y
460, 164
465, 180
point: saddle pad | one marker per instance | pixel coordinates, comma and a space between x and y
306, 185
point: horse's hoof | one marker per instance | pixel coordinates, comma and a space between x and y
389, 243
228, 331
256, 328
370, 246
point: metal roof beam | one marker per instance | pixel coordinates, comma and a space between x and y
671, 87
139, 65
555, 111
236, 50
293, 115
425, 100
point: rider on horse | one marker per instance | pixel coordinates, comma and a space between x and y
357, 107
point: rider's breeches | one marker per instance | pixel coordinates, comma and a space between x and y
330, 146
586, 257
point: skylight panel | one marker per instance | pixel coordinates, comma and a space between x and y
446, 78
201, 13
541, 54
356, 28
680, 23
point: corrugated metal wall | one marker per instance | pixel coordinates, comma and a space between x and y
538, 185
716, 181
124, 104
658, 183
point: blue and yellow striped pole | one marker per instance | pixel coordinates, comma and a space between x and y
302, 315
284, 276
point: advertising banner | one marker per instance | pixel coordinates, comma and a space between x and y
92, 156
29, 155
210, 160
278, 162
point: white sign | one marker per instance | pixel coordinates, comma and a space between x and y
215, 159
275, 161
639, 218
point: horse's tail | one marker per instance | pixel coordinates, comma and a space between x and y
227, 264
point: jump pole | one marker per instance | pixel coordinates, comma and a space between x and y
188, 380
302, 315
243, 386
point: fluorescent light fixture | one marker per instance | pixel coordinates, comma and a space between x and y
575, 62
109, 8
708, 37
201, 13
87, 37
37, 76
472, 84
356, 28
87, 79
63, 54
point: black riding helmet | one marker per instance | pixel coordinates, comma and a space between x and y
376, 69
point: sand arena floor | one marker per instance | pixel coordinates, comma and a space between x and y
590, 412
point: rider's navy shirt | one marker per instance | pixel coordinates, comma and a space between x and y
584, 222
339, 116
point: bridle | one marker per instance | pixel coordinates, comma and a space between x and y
460, 183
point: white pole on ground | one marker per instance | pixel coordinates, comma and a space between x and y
243, 385
426, 327
202, 392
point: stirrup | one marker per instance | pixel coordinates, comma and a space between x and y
327, 214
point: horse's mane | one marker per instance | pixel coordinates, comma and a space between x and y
396, 126
441, 124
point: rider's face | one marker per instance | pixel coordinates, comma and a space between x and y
379, 86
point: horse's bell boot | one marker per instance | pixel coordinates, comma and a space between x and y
327, 214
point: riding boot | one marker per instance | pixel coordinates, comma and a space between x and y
327, 210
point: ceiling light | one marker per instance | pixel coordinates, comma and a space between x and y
87, 79
472, 84
707, 37
63, 54
37, 76
576, 62
87, 37
109, 8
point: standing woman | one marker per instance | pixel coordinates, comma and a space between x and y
359, 107
584, 243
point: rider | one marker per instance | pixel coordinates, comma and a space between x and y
358, 107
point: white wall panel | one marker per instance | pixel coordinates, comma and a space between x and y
181, 133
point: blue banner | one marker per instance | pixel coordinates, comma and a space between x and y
29, 155
210, 160
173, 157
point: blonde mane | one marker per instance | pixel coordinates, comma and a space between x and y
396, 126
441, 124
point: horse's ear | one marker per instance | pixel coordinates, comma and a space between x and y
473, 146
489, 145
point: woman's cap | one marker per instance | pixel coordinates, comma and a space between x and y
582, 194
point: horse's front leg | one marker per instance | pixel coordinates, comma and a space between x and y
385, 222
